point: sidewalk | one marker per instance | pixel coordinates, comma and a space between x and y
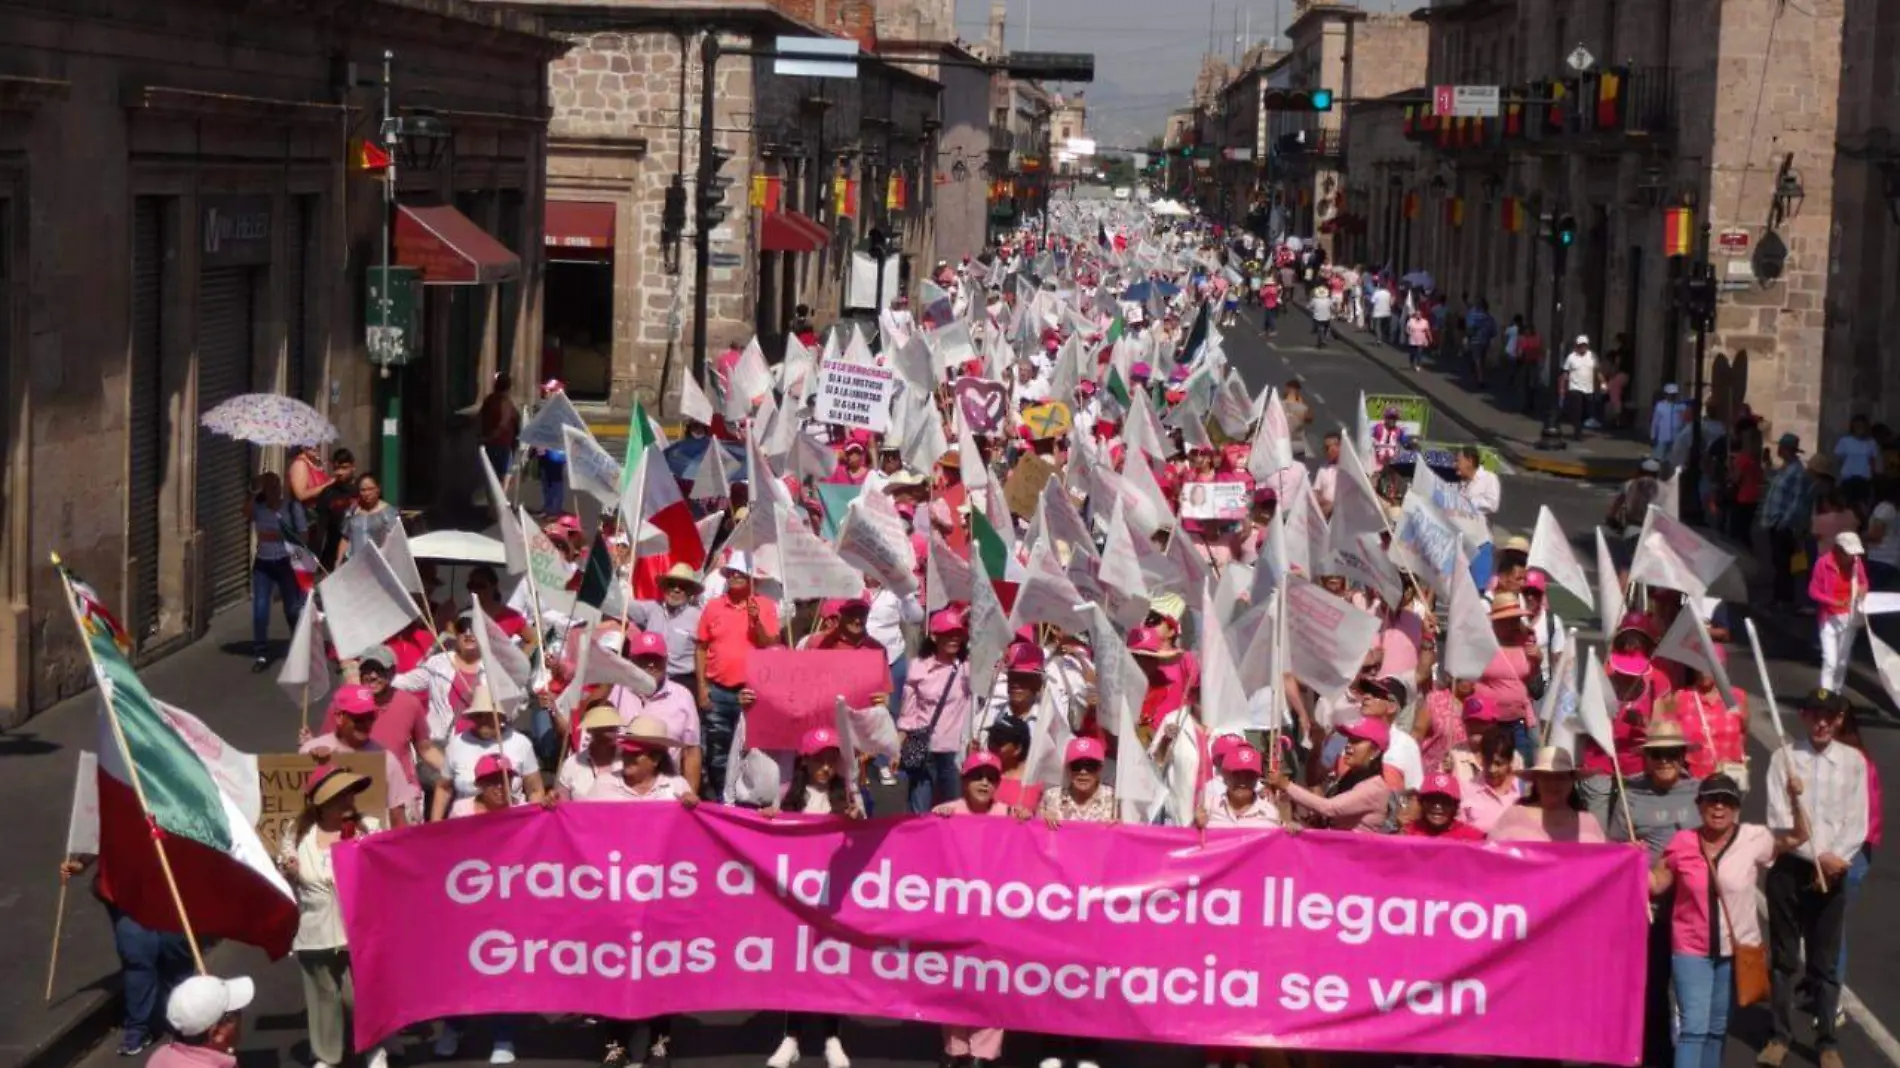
211, 679
1493, 418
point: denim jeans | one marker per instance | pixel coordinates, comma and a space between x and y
266, 576
151, 964
1703, 989
1856, 874
553, 487
1524, 742
935, 785
716, 725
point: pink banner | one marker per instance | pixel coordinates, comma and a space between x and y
798, 689
1315, 940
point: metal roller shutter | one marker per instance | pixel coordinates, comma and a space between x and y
224, 465
298, 329
144, 449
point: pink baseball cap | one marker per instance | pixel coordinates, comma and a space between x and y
1369, 730
493, 764
1084, 748
1537, 580
948, 621
981, 760
817, 740
1140, 370
1242, 758
645, 643
355, 701
1144, 641
1224, 745
568, 524
1023, 659
1441, 785
1481, 708
1629, 663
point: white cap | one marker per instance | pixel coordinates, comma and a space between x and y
1849, 543
1670, 390
1583, 339
738, 560
1652, 465
198, 1003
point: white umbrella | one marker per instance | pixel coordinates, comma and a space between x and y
458, 546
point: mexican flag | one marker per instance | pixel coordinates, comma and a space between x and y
226, 884
650, 494
988, 544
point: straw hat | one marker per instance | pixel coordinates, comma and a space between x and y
1551, 761
649, 731
600, 718
1507, 606
1666, 733
332, 783
685, 575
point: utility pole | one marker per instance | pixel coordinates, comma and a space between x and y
710, 194
1561, 234
1698, 299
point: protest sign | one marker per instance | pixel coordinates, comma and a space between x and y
873, 540
1230, 938
810, 568
282, 777
798, 689
1415, 412
1443, 456
1023, 488
983, 403
364, 602
1048, 420
1215, 500
591, 469
854, 394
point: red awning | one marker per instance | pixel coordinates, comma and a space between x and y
580, 224
449, 249
789, 231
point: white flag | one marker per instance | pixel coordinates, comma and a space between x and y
1045, 594
694, 404
591, 469
989, 629
1671, 555
82, 828
305, 665
946, 575
1470, 643
1328, 637
1886, 661
1552, 554
1596, 705
1148, 506
508, 527
976, 472
543, 429
812, 568
395, 546
364, 603
1688, 643
1609, 589
711, 480
1357, 510
1121, 688
504, 667
1121, 562
1223, 698
1272, 441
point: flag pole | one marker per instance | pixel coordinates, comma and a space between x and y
1774, 716
59, 921
132, 770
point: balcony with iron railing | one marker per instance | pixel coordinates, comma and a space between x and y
1600, 109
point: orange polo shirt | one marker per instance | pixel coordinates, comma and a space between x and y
725, 629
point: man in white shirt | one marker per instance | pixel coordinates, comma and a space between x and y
1326, 479
1382, 312
1807, 901
1477, 485
1580, 387
1321, 307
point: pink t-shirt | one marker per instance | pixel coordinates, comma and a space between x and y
1482, 805
1749, 850
1503, 682
960, 807
1525, 823
401, 726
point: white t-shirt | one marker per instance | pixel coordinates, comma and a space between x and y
1322, 307
1581, 367
1857, 456
1887, 549
466, 748
1382, 303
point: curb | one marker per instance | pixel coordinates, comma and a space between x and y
1606, 470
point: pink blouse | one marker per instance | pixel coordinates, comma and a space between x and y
1362, 808
1691, 927
1524, 823
1504, 683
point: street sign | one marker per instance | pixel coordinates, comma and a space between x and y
816, 57
723, 259
1237, 155
1081, 146
1465, 101
1733, 242
1581, 60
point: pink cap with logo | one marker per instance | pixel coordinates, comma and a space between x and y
1481, 708
976, 762
1441, 785
1243, 759
645, 643
948, 621
355, 701
492, 765
817, 740
1084, 748
1024, 659
1369, 730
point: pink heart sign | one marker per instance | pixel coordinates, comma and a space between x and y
982, 401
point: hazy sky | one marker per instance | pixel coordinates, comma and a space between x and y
1146, 51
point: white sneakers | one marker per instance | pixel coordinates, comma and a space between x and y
378, 1058
503, 1053
447, 1041
785, 1056
1050, 1062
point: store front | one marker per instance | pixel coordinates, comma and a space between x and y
578, 314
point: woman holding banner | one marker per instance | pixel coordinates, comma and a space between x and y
1554, 810
484, 731
1713, 928
496, 779
819, 787
323, 953
1359, 799
973, 1047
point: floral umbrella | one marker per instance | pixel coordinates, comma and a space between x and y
269, 419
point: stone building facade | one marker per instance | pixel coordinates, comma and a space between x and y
1693, 104
815, 165
181, 222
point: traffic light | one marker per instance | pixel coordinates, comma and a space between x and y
1297, 100
1565, 234
1699, 297
673, 225
712, 187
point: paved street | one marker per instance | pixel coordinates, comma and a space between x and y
215, 683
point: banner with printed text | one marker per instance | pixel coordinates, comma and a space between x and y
1319, 940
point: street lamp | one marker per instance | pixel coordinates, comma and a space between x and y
879, 244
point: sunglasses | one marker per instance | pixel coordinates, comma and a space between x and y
1721, 800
